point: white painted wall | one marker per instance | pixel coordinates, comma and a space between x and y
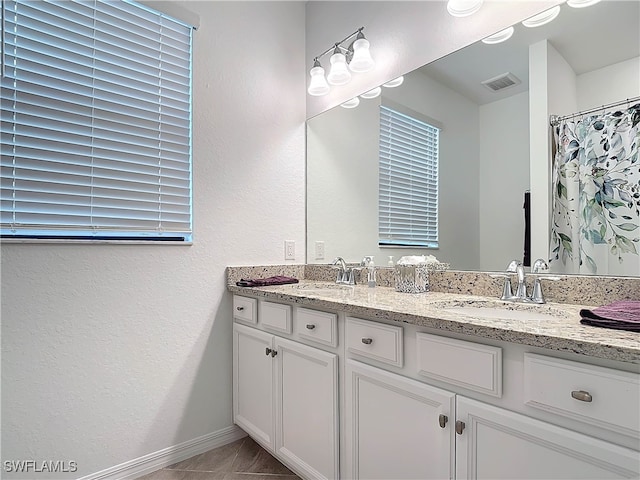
503, 179
112, 352
622, 80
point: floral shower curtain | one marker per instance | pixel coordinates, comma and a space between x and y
595, 221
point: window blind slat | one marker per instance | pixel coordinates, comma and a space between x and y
96, 121
408, 181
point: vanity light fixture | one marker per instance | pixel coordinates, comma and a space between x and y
361, 61
581, 3
501, 36
542, 18
339, 73
396, 82
318, 85
373, 93
353, 103
463, 8
355, 57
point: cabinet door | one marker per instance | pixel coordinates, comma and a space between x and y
307, 409
393, 426
253, 408
498, 444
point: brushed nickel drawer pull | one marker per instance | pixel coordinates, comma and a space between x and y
442, 420
310, 326
273, 353
460, 427
267, 351
239, 308
582, 395
367, 341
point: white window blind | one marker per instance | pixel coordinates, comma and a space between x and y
96, 121
408, 181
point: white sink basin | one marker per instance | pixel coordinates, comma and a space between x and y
506, 311
322, 288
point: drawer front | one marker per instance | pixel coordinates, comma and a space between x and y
244, 309
275, 316
469, 365
375, 340
319, 327
595, 395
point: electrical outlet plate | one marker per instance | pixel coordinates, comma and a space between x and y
319, 250
289, 250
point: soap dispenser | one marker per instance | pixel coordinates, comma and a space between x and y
371, 273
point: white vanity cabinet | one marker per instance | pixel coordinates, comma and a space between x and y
399, 427
396, 428
414, 402
285, 395
497, 443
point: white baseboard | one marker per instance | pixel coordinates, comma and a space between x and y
167, 456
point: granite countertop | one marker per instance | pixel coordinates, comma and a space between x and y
558, 328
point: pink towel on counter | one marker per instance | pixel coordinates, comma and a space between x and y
263, 282
620, 315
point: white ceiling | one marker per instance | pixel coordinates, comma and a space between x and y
588, 38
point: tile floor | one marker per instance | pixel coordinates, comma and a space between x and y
243, 459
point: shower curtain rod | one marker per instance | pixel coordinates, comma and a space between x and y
555, 119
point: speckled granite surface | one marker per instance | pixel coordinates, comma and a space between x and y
558, 329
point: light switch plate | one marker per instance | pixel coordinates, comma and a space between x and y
289, 250
319, 250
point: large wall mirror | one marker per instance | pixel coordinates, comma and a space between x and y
484, 147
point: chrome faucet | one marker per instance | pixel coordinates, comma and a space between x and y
345, 274
539, 267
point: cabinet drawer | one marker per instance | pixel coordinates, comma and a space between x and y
319, 327
275, 316
470, 365
374, 340
596, 395
244, 309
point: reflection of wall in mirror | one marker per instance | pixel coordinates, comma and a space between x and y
342, 191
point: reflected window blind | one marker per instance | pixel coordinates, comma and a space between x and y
96, 121
408, 181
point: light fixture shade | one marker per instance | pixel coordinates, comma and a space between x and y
361, 61
396, 82
339, 73
318, 85
463, 8
353, 103
542, 18
581, 3
373, 93
501, 36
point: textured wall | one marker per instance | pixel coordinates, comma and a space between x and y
112, 352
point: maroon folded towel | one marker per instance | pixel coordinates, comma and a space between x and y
620, 315
263, 282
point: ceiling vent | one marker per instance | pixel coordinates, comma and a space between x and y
501, 81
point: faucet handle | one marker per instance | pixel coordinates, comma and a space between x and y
513, 266
540, 266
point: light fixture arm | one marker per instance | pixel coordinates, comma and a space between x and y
338, 45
